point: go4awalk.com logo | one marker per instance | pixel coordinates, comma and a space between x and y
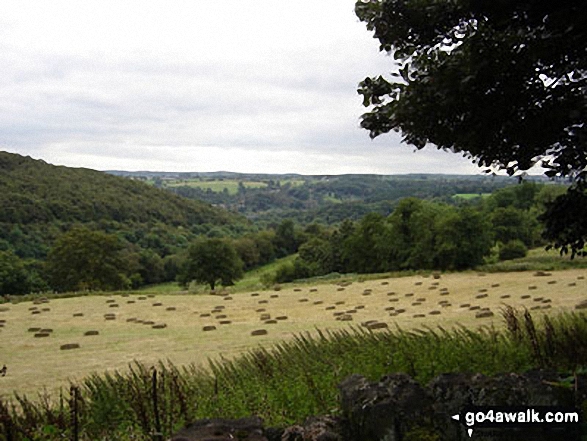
558, 420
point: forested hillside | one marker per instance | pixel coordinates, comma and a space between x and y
41, 202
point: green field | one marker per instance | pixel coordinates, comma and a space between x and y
468, 196
216, 186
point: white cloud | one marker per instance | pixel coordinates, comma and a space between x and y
258, 86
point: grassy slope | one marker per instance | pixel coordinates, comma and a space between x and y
184, 341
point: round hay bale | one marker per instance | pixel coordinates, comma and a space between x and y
351, 311
340, 302
260, 310
465, 305
419, 315
410, 294
225, 322
151, 296
157, 304
421, 299
340, 289
227, 298
483, 290
416, 303
546, 306
526, 296
446, 305
538, 299
484, 314
367, 293
171, 308
113, 305
580, 277
88, 333
130, 301
444, 293
338, 313
257, 332
33, 308
313, 289
209, 328
110, 318
546, 301
394, 300
46, 330
435, 312
124, 295
270, 322
297, 289
400, 311
204, 314
474, 308
481, 296
35, 312
255, 294
572, 284
45, 309
274, 296
42, 334
385, 283
281, 317
159, 326
131, 319
318, 302
345, 318
303, 300
110, 301
551, 282
389, 308
418, 283
262, 302
360, 307
142, 298
33, 329
78, 314
329, 308
220, 316
391, 293
532, 287
505, 296
69, 346
277, 287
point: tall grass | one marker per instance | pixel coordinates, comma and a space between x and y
289, 381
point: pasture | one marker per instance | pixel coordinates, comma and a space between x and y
193, 328
217, 186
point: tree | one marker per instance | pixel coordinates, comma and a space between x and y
503, 83
212, 261
13, 276
85, 259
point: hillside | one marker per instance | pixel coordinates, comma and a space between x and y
32, 191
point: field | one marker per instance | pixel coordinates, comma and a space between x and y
468, 196
407, 302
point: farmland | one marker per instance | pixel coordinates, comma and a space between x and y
407, 302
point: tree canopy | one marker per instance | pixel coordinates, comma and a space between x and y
502, 82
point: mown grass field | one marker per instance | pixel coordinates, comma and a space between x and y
407, 302
216, 186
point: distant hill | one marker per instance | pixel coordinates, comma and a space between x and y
40, 200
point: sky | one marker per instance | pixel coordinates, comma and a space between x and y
260, 86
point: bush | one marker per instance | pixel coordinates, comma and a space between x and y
512, 250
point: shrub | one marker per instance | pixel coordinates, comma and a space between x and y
512, 250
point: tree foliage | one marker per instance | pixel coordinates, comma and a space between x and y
82, 259
212, 261
502, 82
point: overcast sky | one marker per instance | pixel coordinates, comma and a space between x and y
260, 86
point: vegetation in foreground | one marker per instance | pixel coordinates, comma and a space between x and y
292, 380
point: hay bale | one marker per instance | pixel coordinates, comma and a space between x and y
270, 322
46, 330
42, 334
538, 299
329, 308
481, 296
377, 325
446, 305
419, 315
465, 305
148, 322
227, 298
159, 326
33, 308
580, 277
277, 287
257, 332
531, 287
474, 308
367, 293
444, 293
303, 300
338, 313
265, 317
526, 296
89, 333
225, 322
318, 302
69, 346
261, 302
581, 305
410, 294
534, 308
254, 294
78, 314
385, 283
151, 296
260, 310
204, 314
400, 311
33, 329
345, 318
360, 307
391, 293
416, 303
130, 301
110, 318
495, 285
443, 289
131, 319
546, 306
505, 296
313, 289
421, 299
113, 305
157, 304
418, 283
220, 316
436, 275
484, 314
542, 274
340, 289
435, 312
340, 302
547, 301
110, 301
394, 300
351, 311
572, 284
551, 282
209, 328
171, 308
124, 295
281, 317
274, 296
142, 298
35, 312
297, 289
4, 308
